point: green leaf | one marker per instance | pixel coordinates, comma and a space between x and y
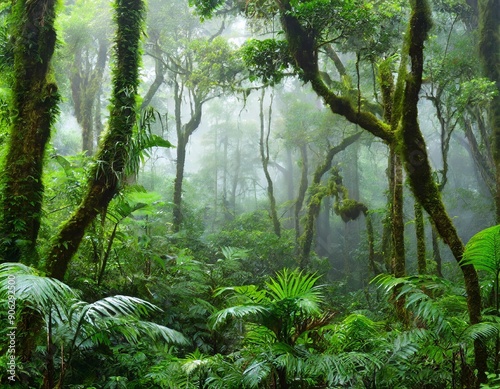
483, 250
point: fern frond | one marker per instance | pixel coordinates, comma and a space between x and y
236, 312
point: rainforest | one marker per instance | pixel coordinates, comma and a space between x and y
268, 194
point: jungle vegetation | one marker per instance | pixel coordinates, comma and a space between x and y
276, 194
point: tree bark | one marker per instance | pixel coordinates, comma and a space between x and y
483, 164
35, 100
398, 225
183, 134
159, 77
420, 234
264, 155
85, 87
302, 191
420, 173
108, 172
489, 50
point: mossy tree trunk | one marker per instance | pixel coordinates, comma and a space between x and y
398, 225
420, 172
391, 99
35, 100
108, 172
489, 49
303, 48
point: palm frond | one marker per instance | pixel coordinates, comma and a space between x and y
117, 306
256, 373
234, 253
37, 292
236, 312
481, 331
483, 250
244, 293
259, 335
195, 361
294, 285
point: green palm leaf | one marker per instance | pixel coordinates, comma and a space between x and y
236, 312
118, 306
483, 250
39, 293
293, 284
481, 331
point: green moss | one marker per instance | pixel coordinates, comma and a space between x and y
349, 209
106, 176
35, 105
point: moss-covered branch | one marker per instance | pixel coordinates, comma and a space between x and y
317, 193
302, 46
106, 176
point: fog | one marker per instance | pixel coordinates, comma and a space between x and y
223, 172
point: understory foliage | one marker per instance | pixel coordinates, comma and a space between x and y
178, 256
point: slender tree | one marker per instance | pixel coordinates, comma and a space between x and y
87, 31
264, 156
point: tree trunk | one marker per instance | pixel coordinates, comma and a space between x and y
264, 155
371, 245
398, 234
420, 173
484, 166
35, 100
109, 171
183, 134
420, 233
436, 253
398, 225
323, 229
179, 178
386, 244
236, 178
159, 77
85, 87
489, 50
302, 190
